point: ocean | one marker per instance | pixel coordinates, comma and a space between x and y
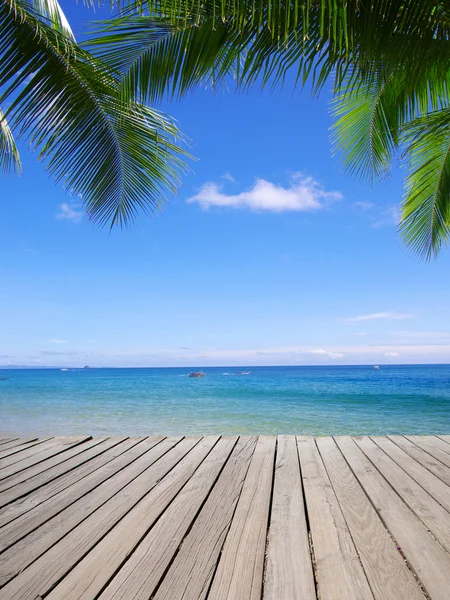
337, 400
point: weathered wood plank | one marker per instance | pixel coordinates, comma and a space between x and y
16, 442
239, 575
339, 570
434, 516
89, 577
289, 572
111, 448
385, 568
105, 504
140, 575
191, 572
32, 456
432, 483
160, 482
7, 440
23, 445
42, 473
432, 464
434, 446
114, 460
426, 556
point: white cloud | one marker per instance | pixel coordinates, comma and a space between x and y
364, 205
380, 315
391, 354
57, 341
302, 195
390, 216
69, 212
228, 177
334, 355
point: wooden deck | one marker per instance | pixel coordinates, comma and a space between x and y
231, 518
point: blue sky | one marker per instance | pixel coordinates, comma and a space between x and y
270, 254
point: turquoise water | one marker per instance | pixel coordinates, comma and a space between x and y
302, 400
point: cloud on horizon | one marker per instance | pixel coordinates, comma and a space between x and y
304, 194
57, 341
378, 316
367, 354
332, 355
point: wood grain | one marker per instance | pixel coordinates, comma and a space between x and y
426, 556
339, 570
289, 572
239, 575
386, 571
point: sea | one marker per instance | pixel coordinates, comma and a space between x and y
355, 400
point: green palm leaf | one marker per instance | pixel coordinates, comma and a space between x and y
120, 158
426, 209
9, 155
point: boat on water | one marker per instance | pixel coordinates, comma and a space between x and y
64, 369
243, 372
376, 367
196, 374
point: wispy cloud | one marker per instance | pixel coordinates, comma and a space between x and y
228, 177
57, 341
380, 315
364, 205
332, 355
389, 216
303, 194
70, 213
391, 354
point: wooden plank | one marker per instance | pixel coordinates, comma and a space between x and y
113, 461
95, 514
111, 448
339, 571
191, 572
239, 575
140, 575
26, 453
423, 552
385, 568
32, 456
7, 440
15, 479
445, 438
289, 572
160, 482
23, 444
432, 484
422, 457
40, 474
16, 442
433, 445
433, 515
90, 575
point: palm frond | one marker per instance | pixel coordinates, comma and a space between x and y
9, 155
120, 158
371, 115
426, 209
206, 40
52, 12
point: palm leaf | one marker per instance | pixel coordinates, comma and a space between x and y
426, 209
9, 155
120, 158
315, 37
